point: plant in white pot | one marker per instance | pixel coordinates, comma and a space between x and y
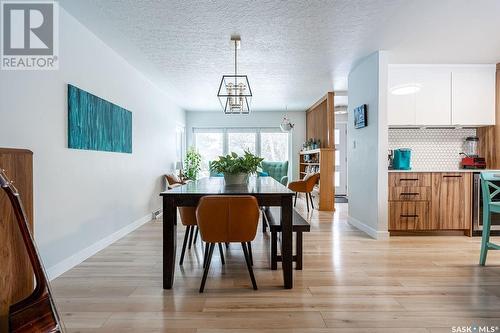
236, 169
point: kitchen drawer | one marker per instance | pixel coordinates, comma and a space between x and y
408, 193
407, 179
410, 215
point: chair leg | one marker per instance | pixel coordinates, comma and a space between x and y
295, 202
250, 270
307, 202
298, 251
196, 234
250, 255
191, 232
486, 236
274, 250
227, 245
207, 267
205, 256
311, 197
221, 254
186, 234
264, 223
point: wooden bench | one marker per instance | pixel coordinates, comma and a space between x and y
272, 217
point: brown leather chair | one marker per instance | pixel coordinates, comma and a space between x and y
188, 219
228, 219
306, 186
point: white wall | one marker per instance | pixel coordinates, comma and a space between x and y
255, 119
367, 147
82, 197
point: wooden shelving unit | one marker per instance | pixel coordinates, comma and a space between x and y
323, 160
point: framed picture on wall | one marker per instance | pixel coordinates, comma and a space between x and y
360, 119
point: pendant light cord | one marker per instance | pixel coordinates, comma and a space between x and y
235, 61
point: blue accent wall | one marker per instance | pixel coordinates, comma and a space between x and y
96, 124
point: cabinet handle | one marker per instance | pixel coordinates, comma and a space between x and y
408, 179
403, 215
452, 176
409, 193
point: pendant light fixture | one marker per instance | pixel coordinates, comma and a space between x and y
286, 125
234, 90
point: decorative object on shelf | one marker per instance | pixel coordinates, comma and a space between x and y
96, 124
360, 116
178, 167
234, 90
192, 163
236, 169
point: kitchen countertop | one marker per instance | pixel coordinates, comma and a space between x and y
456, 170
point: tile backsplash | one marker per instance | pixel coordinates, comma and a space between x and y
432, 148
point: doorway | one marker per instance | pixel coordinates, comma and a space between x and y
340, 159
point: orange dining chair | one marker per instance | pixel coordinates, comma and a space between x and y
228, 219
188, 219
305, 185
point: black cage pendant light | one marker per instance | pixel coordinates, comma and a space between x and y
234, 93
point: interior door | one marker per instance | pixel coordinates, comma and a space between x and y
340, 177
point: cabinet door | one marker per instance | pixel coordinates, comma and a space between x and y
433, 100
400, 105
451, 200
473, 95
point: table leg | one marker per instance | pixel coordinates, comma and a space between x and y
286, 241
169, 240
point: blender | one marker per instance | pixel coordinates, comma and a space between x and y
471, 159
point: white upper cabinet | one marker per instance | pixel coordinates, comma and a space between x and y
473, 97
400, 104
433, 98
441, 95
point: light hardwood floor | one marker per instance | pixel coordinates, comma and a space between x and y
350, 283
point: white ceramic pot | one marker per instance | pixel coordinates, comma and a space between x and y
236, 179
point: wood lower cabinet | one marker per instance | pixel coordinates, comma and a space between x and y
451, 200
430, 201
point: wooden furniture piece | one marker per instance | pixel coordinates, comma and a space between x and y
272, 217
490, 190
36, 312
489, 136
320, 121
266, 190
228, 219
306, 186
16, 275
425, 201
323, 161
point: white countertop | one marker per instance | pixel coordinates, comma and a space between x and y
456, 170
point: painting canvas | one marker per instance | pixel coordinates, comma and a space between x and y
96, 124
360, 120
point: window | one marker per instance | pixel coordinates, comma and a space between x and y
239, 142
274, 146
211, 146
269, 143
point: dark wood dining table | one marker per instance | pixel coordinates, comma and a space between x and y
266, 190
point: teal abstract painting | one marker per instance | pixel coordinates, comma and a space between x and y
96, 124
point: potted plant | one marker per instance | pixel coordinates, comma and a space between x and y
192, 164
236, 169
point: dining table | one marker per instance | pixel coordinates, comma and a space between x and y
267, 191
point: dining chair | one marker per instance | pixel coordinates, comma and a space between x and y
305, 185
228, 219
188, 219
490, 190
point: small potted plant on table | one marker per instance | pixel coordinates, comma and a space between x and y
236, 169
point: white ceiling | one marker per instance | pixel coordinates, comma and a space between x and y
293, 51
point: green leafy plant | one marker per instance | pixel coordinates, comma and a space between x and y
234, 164
192, 164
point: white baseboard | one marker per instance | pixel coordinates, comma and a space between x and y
376, 234
88, 252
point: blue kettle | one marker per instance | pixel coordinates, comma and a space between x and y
402, 158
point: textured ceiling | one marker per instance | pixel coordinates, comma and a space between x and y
293, 51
